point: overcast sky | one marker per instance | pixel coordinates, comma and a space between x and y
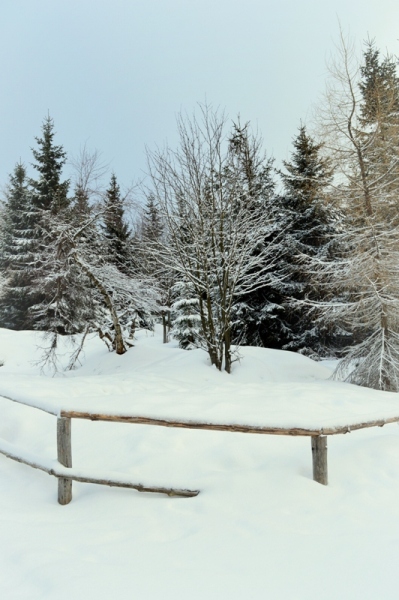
114, 73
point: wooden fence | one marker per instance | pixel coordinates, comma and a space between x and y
66, 474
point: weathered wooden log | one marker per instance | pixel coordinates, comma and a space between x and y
64, 455
319, 456
291, 431
182, 493
35, 464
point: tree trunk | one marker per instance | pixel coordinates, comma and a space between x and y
227, 351
118, 342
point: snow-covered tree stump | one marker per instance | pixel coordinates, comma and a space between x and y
319, 455
64, 455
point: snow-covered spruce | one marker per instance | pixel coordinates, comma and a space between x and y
186, 323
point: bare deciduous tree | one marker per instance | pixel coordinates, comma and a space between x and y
83, 288
361, 147
215, 233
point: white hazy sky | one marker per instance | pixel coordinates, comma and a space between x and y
114, 73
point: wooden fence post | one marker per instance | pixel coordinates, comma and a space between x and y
64, 455
164, 327
319, 455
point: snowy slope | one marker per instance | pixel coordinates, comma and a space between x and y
266, 387
260, 528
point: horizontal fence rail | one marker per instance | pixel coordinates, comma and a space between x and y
50, 411
66, 474
11, 451
235, 428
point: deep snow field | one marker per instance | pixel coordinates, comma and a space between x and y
260, 528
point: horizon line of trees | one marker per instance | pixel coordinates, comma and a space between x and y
310, 265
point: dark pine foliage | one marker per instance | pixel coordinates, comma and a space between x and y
28, 232
50, 204
379, 86
49, 192
17, 252
116, 230
379, 131
258, 316
152, 227
310, 227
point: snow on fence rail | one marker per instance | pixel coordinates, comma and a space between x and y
63, 469
318, 436
266, 430
65, 474
57, 470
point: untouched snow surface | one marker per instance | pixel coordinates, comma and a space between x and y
260, 528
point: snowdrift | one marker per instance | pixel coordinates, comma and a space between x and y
260, 525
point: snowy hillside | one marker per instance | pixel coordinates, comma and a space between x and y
260, 528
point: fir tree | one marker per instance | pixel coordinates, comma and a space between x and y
379, 125
45, 198
379, 87
148, 248
80, 206
186, 320
51, 206
49, 192
16, 252
119, 252
311, 225
258, 315
116, 230
152, 227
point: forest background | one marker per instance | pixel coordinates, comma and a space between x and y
219, 242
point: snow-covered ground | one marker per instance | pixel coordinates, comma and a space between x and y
260, 528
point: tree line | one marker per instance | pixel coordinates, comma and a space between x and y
229, 249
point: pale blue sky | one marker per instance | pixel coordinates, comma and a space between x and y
114, 73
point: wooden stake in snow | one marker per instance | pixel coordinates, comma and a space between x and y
165, 334
64, 455
319, 454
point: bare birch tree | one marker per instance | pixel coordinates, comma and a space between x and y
215, 233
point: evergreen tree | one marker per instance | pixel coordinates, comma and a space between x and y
258, 315
152, 227
186, 326
311, 225
80, 206
379, 86
49, 192
116, 230
119, 253
16, 252
379, 126
51, 207
149, 248
29, 213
